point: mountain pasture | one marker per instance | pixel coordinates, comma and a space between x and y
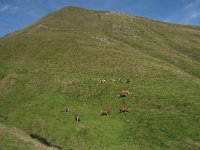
61, 60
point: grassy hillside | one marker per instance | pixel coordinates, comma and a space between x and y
60, 60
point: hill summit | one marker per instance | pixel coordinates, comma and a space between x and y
60, 60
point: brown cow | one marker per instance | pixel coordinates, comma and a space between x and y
77, 118
124, 93
105, 112
66, 110
124, 109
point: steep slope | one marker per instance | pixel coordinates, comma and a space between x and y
60, 60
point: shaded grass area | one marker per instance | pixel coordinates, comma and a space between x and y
44, 141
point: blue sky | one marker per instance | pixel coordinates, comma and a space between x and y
16, 14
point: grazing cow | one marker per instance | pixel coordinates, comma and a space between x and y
66, 110
77, 118
105, 112
103, 81
113, 80
124, 109
124, 93
127, 81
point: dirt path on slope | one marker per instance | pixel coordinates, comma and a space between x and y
20, 135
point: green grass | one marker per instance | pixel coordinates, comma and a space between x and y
42, 70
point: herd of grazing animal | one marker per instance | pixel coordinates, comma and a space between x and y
106, 112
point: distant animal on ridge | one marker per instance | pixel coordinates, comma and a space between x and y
77, 118
105, 112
